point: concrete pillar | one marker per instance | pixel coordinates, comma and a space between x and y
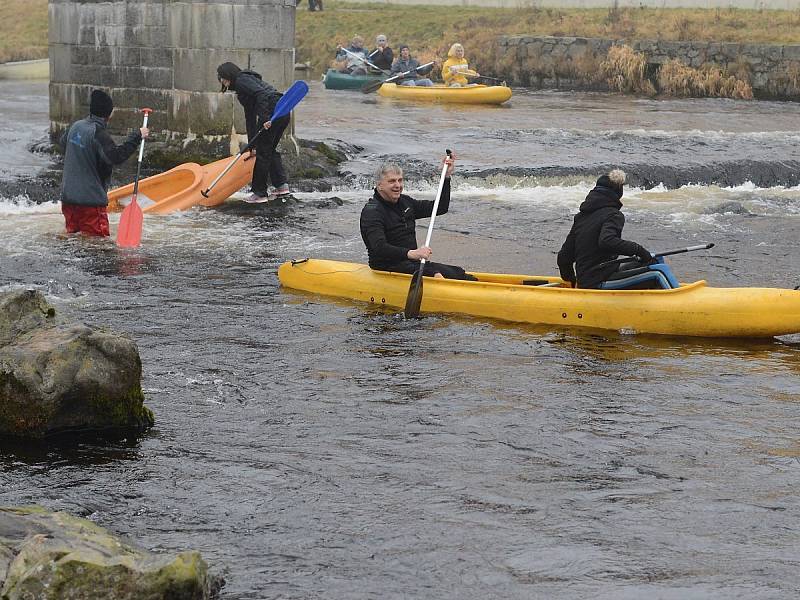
163, 54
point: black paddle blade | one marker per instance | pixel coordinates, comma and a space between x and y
372, 86
414, 300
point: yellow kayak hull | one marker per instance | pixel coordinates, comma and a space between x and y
179, 188
694, 309
476, 94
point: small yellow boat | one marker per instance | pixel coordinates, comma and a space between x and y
474, 94
694, 309
179, 188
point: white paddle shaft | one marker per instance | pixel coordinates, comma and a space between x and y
436, 205
141, 146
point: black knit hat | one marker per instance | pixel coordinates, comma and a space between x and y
101, 105
228, 71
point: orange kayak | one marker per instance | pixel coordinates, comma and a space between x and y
179, 188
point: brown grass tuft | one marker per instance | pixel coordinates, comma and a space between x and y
624, 70
677, 79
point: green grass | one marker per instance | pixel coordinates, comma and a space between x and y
430, 31
23, 29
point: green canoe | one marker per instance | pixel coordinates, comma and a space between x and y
334, 80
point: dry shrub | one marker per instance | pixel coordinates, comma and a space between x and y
624, 71
787, 83
677, 79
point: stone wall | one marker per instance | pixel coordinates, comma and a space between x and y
773, 71
163, 54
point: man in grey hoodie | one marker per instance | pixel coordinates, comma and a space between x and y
89, 157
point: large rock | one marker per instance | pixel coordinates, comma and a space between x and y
53, 556
62, 378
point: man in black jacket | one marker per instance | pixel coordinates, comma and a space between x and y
388, 222
89, 158
595, 237
382, 57
258, 99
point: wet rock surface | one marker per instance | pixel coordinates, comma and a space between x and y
58, 378
54, 555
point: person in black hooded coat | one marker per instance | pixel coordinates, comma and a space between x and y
258, 99
596, 236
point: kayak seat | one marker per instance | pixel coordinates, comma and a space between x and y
653, 277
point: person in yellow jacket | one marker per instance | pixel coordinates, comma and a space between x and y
455, 67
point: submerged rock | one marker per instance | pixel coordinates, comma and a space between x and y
731, 207
53, 556
65, 378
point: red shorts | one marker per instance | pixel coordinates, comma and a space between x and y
90, 220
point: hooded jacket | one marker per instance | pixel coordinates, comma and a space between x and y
412, 64
389, 230
258, 99
89, 157
595, 238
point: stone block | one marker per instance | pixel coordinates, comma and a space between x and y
212, 26
125, 56
160, 101
263, 26
130, 77
155, 77
275, 66
204, 113
196, 70
156, 57
64, 22
791, 52
96, 75
60, 63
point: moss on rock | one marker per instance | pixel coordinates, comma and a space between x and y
52, 556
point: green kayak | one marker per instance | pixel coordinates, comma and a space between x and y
334, 80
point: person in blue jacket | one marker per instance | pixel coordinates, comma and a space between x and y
258, 99
89, 158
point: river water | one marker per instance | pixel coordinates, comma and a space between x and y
323, 449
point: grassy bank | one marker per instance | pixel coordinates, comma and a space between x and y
23, 29
431, 30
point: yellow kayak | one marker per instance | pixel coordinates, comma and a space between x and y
694, 309
475, 94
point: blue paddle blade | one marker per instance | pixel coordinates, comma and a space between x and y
290, 99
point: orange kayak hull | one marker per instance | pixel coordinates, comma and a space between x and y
180, 187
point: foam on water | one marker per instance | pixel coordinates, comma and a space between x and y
21, 205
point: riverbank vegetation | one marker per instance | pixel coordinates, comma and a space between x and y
23, 30
431, 30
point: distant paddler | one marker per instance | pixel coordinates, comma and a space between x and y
455, 69
352, 59
382, 56
412, 73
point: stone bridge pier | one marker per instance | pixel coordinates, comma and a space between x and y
163, 54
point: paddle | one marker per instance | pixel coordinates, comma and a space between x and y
414, 299
365, 61
129, 231
374, 85
475, 75
657, 254
291, 98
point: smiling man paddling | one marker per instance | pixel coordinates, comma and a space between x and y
388, 223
